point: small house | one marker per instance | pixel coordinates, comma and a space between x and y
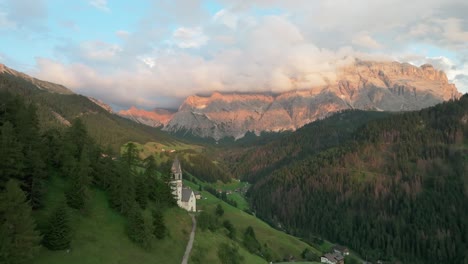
344, 251
332, 258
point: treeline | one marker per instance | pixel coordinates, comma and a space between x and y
396, 191
260, 161
204, 168
30, 157
221, 195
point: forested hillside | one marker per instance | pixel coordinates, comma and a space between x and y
48, 177
253, 161
58, 109
398, 190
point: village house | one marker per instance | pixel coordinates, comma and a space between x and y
184, 195
332, 258
344, 251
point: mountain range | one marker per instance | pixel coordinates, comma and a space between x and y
58, 107
366, 85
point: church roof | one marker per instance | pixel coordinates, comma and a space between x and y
186, 193
176, 166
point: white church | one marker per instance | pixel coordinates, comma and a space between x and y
185, 196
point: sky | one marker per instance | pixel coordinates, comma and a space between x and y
155, 53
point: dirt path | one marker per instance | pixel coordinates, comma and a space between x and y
188, 249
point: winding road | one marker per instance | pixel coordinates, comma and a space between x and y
190, 243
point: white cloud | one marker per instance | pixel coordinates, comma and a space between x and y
240, 49
99, 51
363, 39
226, 18
25, 14
100, 4
189, 37
123, 34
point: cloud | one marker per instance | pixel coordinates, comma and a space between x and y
176, 48
363, 39
226, 18
26, 14
189, 37
264, 63
123, 34
100, 4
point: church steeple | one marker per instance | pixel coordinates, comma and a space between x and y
176, 170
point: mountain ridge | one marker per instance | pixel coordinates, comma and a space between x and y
365, 85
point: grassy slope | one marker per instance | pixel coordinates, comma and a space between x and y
280, 243
99, 235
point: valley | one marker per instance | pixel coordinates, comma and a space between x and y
389, 186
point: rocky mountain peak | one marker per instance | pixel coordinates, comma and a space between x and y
368, 85
155, 118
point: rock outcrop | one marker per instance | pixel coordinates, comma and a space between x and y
103, 105
382, 86
155, 118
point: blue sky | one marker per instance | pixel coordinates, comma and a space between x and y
155, 53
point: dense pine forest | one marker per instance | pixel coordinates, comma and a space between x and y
253, 161
31, 157
397, 190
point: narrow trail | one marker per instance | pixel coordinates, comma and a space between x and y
188, 249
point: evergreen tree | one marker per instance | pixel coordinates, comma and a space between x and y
34, 177
130, 155
219, 210
77, 193
161, 193
151, 168
141, 191
78, 137
250, 241
11, 156
159, 228
122, 189
231, 229
58, 233
137, 230
19, 240
229, 254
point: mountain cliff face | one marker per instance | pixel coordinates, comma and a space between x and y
384, 86
155, 118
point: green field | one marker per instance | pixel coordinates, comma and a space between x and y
99, 235
281, 244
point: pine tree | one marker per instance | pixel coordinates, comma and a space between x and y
219, 210
151, 168
229, 254
130, 155
19, 240
159, 228
77, 193
250, 241
141, 191
162, 194
11, 156
58, 234
34, 177
78, 137
137, 230
126, 189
